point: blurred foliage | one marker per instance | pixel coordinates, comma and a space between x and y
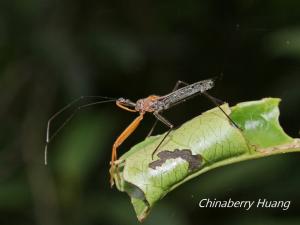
54, 51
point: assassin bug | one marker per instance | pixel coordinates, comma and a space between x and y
152, 104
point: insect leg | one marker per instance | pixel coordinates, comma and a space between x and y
152, 128
216, 103
178, 83
168, 124
125, 108
123, 136
214, 100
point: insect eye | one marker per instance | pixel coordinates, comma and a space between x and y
121, 100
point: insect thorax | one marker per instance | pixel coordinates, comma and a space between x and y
148, 104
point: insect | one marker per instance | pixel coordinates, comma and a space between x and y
152, 104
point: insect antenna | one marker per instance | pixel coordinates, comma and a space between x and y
49, 137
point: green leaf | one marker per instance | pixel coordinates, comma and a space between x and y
199, 145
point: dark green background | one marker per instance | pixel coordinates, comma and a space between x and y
52, 52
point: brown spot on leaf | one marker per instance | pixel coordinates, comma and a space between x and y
186, 154
281, 148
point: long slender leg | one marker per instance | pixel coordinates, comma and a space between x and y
167, 123
215, 102
152, 128
178, 83
50, 137
218, 101
123, 136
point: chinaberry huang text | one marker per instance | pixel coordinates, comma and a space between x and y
247, 205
